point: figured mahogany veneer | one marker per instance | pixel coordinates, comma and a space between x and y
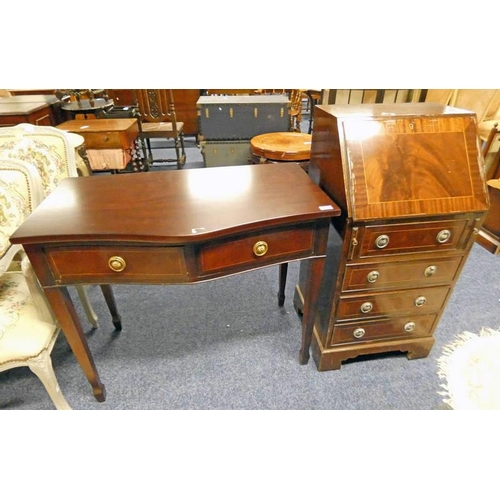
176, 227
409, 181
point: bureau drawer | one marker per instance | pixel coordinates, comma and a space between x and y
406, 274
117, 264
414, 301
409, 238
273, 246
104, 140
408, 326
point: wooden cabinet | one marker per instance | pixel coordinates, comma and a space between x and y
35, 109
109, 142
408, 178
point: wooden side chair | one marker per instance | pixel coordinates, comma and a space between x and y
491, 152
489, 233
49, 150
28, 329
295, 97
155, 110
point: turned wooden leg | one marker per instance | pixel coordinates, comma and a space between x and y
64, 310
109, 297
42, 367
282, 283
314, 272
87, 306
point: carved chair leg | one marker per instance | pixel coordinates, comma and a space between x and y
87, 306
42, 367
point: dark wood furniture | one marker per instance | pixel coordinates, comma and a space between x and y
32, 91
109, 142
86, 107
34, 109
171, 227
408, 179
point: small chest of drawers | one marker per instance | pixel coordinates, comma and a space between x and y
109, 142
408, 178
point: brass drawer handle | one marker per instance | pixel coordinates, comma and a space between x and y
366, 307
410, 326
430, 271
443, 236
420, 301
358, 333
260, 248
372, 276
382, 241
117, 264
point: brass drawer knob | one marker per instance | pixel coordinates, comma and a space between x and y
443, 236
430, 271
382, 241
410, 326
260, 248
358, 333
420, 301
366, 307
372, 276
117, 264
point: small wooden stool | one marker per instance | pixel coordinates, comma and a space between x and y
279, 147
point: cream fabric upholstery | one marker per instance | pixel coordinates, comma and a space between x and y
50, 151
28, 329
26, 338
20, 193
47, 148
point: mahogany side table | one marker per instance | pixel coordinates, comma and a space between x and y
182, 226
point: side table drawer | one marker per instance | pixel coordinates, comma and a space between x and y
409, 326
266, 248
117, 264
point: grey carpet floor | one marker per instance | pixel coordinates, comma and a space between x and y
227, 345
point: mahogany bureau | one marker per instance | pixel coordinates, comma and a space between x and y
175, 227
409, 181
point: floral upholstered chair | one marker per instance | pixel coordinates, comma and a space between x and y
20, 193
50, 151
28, 329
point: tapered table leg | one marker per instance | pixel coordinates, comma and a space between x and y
64, 309
109, 297
311, 296
282, 283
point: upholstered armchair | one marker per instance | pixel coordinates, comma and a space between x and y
50, 151
28, 329
20, 193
